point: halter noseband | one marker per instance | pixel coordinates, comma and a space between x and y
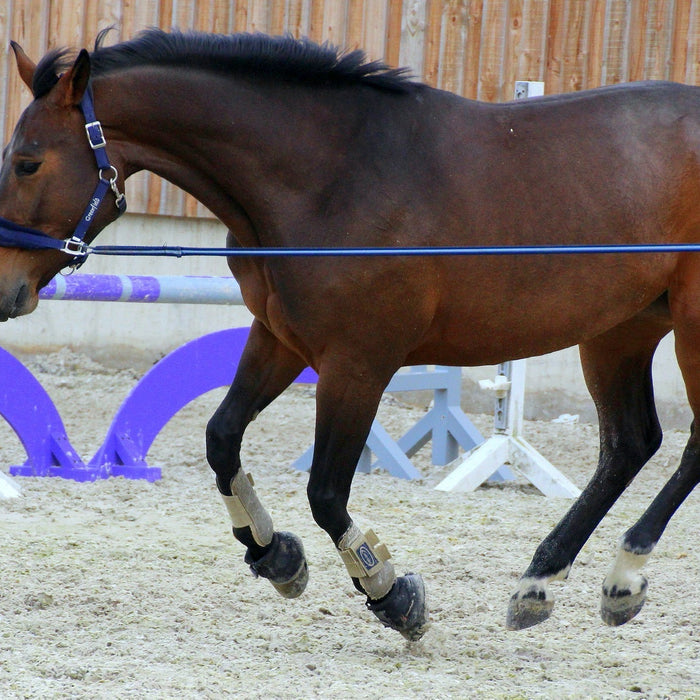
14, 235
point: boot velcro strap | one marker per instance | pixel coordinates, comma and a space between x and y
246, 510
364, 555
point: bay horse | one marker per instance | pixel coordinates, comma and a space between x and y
292, 144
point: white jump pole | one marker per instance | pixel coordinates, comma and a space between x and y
506, 445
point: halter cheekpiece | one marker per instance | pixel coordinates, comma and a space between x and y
14, 235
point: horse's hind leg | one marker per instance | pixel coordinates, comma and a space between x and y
617, 367
624, 588
347, 400
266, 368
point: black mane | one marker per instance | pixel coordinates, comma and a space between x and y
277, 57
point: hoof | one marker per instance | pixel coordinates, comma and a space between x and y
284, 564
618, 606
528, 606
404, 609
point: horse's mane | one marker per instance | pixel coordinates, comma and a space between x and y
278, 57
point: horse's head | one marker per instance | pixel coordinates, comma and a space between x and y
48, 177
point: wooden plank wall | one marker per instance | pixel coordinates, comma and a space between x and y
476, 48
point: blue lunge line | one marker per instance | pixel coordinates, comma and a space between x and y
16, 236
179, 252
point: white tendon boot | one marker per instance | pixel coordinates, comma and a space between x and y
399, 603
284, 562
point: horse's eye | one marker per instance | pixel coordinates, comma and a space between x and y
26, 167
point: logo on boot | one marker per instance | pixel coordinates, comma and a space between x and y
366, 556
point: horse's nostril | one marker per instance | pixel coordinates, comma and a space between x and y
13, 302
21, 299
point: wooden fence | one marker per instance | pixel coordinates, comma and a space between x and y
476, 48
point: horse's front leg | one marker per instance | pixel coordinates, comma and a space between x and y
345, 408
265, 370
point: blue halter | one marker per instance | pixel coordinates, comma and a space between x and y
14, 235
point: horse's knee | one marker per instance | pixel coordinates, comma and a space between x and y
641, 437
223, 452
328, 509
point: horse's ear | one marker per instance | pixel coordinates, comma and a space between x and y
25, 65
71, 86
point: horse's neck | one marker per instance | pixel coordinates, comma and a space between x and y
229, 145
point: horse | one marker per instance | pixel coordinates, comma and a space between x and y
294, 144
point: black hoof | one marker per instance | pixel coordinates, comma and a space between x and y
619, 606
531, 604
404, 609
527, 612
284, 564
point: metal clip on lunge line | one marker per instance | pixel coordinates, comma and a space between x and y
119, 197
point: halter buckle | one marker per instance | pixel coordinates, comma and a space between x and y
95, 135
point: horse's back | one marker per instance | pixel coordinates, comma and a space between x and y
613, 165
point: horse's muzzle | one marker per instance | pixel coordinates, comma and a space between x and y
15, 302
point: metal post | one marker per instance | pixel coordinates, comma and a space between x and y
506, 445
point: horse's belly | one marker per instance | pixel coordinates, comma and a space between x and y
510, 319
